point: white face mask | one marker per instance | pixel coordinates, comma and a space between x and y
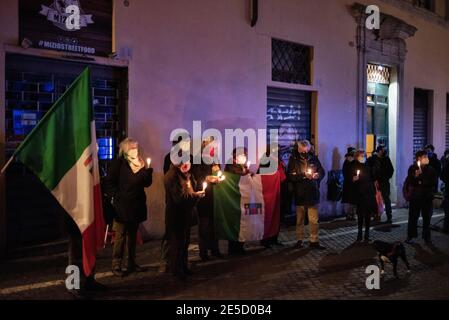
362, 160
241, 159
133, 153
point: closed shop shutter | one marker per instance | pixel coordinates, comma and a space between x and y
289, 111
420, 119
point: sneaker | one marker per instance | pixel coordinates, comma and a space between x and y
317, 246
359, 238
299, 244
118, 272
93, 285
136, 269
163, 268
389, 221
409, 241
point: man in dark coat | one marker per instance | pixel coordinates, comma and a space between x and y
180, 200
445, 179
364, 193
434, 163
126, 182
238, 166
383, 171
348, 200
305, 172
422, 178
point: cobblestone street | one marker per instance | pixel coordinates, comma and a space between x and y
279, 273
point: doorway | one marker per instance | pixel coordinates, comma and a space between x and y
33, 84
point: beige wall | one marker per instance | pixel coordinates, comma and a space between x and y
202, 61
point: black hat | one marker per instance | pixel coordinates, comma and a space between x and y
350, 151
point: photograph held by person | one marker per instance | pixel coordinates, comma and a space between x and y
383, 171
445, 179
305, 172
206, 172
348, 200
239, 167
180, 200
267, 162
421, 182
126, 181
364, 194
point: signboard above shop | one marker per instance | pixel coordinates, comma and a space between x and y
74, 26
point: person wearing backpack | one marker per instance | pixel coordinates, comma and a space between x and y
419, 187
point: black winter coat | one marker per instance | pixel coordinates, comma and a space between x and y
364, 189
382, 168
205, 205
306, 191
179, 200
348, 185
128, 190
422, 186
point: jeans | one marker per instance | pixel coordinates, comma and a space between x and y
419, 207
312, 213
385, 190
125, 241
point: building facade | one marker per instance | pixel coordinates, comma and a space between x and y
310, 68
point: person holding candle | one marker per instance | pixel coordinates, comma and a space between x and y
421, 179
180, 200
126, 181
364, 194
239, 166
209, 173
348, 200
305, 173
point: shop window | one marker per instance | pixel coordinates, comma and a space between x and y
426, 4
291, 62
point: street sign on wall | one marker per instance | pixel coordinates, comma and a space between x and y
75, 26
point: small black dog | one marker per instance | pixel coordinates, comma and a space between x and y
391, 252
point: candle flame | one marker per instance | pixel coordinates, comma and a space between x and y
204, 186
148, 161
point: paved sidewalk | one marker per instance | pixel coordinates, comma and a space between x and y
278, 273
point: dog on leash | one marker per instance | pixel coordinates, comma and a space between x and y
391, 252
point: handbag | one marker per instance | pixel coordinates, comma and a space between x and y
379, 201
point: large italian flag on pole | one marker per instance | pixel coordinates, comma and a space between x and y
62, 152
247, 208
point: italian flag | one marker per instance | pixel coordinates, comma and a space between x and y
62, 152
247, 208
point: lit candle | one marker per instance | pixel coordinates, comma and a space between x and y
358, 173
222, 178
148, 162
219, 174
248, 164
419, 165
309, 171
204, 186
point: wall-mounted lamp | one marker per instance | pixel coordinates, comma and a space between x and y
254, 12
26, 43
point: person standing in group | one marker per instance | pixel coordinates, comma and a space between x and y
180, 200
383, 171
305, 172
348, 200
206, 172
364, 194
434, 162
421, 181
126, 181
445, 179
238, 166
270, 164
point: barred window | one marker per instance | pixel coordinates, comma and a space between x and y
425, 4
291, 62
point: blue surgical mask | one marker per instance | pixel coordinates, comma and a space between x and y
362, 160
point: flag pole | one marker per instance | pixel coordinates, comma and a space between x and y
6, 165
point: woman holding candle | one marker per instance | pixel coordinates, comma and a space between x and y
180, 199
209, 174
240, 167
127, 178
422, 178
364, 194
305, 173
